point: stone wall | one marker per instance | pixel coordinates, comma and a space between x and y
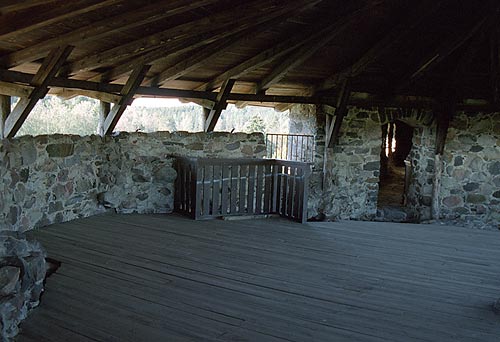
352, 167
22, 271
50, 179
55, 178
419, 195
470, 185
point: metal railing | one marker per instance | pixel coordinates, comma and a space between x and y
293, 147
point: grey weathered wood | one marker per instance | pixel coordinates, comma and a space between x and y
248, 187
170, 278
22, 22
251, 189
123, 21
104, 109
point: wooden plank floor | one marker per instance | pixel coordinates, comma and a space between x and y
168, 278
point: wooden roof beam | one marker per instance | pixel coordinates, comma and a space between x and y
14, 89
127, 93
216, 49
356, 99
19, 22
123, 21
304, 52
268, 55
447, 48
212, 115
196, 41
405, 27
248, 13
40, 81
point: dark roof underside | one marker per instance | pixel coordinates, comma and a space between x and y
279, 47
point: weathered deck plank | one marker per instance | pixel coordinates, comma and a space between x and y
158, 278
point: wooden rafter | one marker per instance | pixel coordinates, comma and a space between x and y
19, 22
396, 34
200, 28
105, 27
212, 116
40, 81
446, 49
304, 52
127, 94
268, 55
194, 42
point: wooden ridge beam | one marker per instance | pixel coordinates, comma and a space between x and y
40, 81
404, 28
161, 41
124, 21
19, 22
127, 92
304, 52
212, 115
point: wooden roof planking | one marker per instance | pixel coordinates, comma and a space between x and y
394, 53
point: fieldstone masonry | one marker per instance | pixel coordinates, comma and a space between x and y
22, 271
352, 169
55, 178
470, 185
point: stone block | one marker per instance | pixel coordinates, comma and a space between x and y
61, 150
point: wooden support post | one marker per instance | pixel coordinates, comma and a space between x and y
340, 112
220, 104
127, 92
104, 109
5, 108
40, 81
443, 122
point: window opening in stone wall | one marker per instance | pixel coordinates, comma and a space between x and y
394, 170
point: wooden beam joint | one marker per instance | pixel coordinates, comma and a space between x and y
213, 115
40, 81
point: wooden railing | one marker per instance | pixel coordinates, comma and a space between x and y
209, 188
294, 147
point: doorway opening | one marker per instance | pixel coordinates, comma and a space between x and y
394, 170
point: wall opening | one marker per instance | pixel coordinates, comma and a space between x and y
397, 139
